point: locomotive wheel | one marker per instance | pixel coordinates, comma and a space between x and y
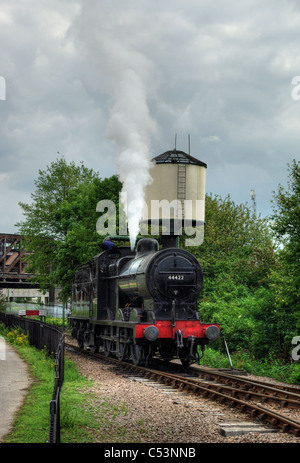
80, 338
121, 351
136, 353
106, 347
74, 332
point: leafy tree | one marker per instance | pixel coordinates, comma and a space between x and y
237, 245
236, 256
275, 308
53, 186
286, 214
286, 226
79, 216
44, 227
284, 279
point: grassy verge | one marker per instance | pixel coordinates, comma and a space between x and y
80, 420
271, 367
84, 420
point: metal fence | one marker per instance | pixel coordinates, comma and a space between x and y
54, 426
49, 337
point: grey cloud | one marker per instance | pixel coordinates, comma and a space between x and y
220, 71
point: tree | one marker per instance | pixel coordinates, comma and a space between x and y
53, 187
286, 215
284, 279
236, 256
237, 245
79, 216
43, 227
276, 312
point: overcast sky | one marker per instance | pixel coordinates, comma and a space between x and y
220, 71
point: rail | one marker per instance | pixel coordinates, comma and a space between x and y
44, 336
230, 396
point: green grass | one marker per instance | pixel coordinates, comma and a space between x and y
32, 421
270, 366
81, 420
85, 418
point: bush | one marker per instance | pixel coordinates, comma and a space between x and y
295, 373
2, 302
241, 359
17, 337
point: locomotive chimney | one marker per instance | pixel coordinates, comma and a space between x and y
175, 199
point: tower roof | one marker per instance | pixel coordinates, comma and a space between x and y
175, 156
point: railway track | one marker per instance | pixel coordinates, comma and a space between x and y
285, 396
244, 394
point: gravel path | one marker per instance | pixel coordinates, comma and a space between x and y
147, 414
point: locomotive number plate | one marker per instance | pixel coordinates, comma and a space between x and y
176, 277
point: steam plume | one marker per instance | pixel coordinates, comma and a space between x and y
129, 126
125, 76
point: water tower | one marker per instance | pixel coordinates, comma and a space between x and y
176, 195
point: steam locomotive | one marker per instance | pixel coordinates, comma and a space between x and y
139, 304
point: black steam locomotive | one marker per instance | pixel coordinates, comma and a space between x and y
137, 304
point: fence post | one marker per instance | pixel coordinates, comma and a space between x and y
54, 425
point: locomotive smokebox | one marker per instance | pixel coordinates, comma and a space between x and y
175, 200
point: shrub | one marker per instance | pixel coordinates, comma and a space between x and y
17, 337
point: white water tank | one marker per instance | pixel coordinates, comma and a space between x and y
178, 179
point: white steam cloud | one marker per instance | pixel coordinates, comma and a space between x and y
130, 126
123, 73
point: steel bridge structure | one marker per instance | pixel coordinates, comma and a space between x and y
13, 271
